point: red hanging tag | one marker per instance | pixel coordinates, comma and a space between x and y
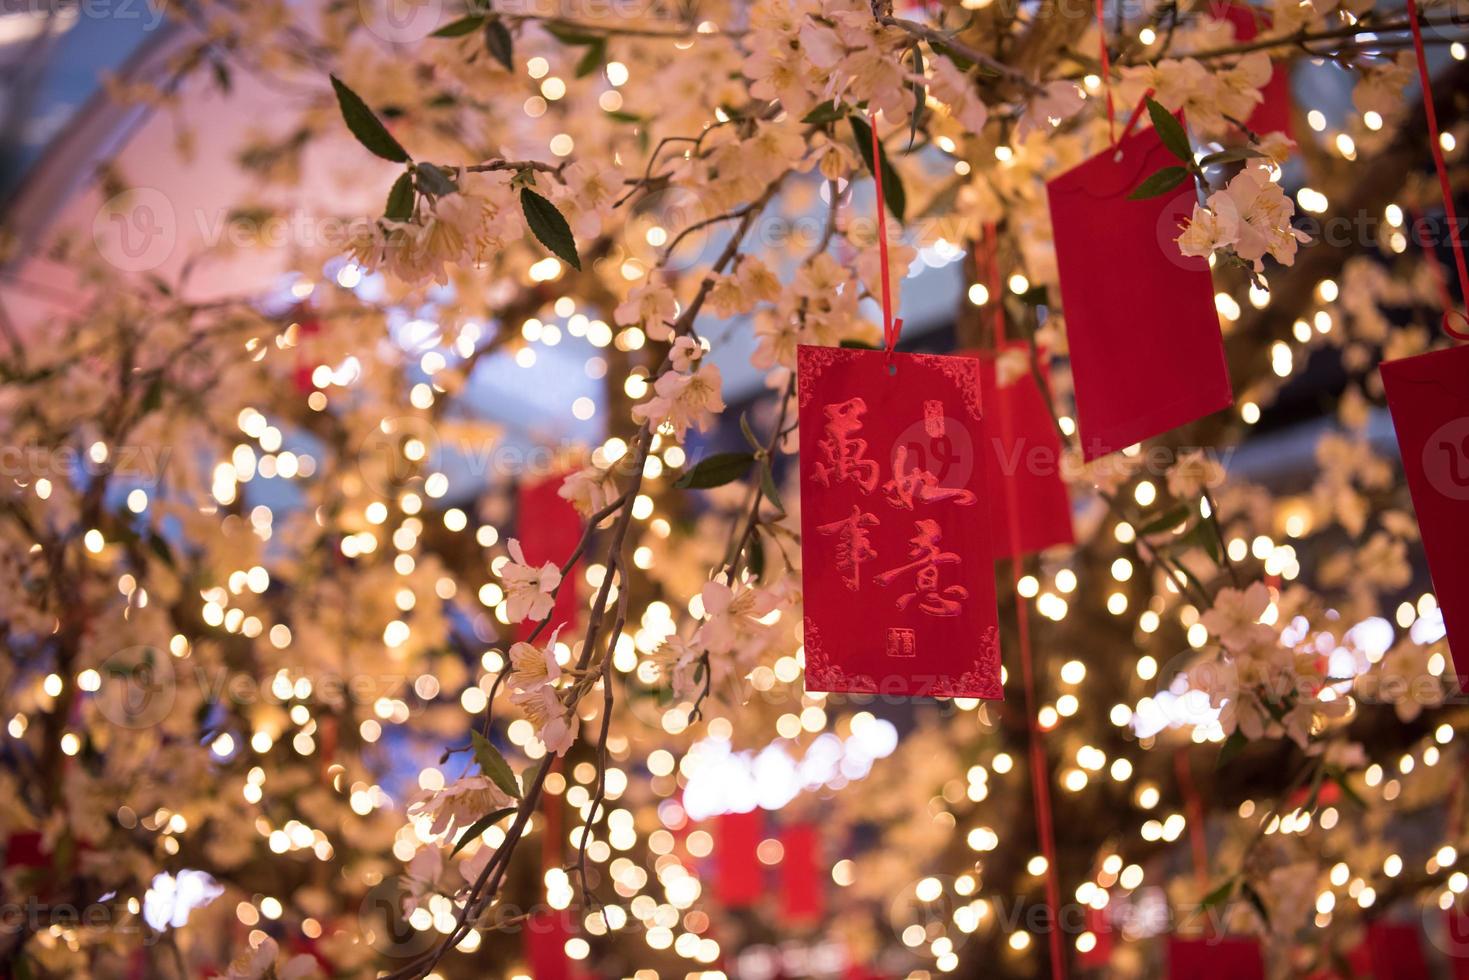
1215, 959
1429, 402
1028, 456
895, 541
549, 529
1391, 951
802, 896
1146, 354
546, 933
739, 876
1098, 922
1273, 113
1456, 942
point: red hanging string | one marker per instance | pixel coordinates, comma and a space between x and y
1106, 73
1040, 778
1137, 113
1455, 245
891, 328
1195, 807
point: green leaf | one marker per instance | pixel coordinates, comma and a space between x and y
892, 184
1203, 535
716, 471
1232, 747
460, 27
749, 432
1170, 131
1219, 895
1340, 778
493, 764
826, 112
568, 36
1257, 902
592, 59
481, 825
768, 487
549, 227
1160, 183
920, 95
1169, 520
400, 199
161, 549
499, 43
1232, 155
435, 180
366, 126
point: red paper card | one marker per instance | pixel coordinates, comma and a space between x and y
1215, 959
802, 896
739, 876
549, 529
1428, 396
1025, 464
1273, 112
899, 581
1146, 355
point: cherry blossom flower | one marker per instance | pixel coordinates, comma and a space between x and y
555, 727
1058, 101
649, 305
1193, 473
532, 666
1235, 618
956, 90
528, 590
731, 613
682, 400
589, 489
459, 804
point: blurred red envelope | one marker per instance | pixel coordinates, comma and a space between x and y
1273, 112
1026, 455
1428, 396
899, 577
549, 529
1146, 354
1215, 959
802, 883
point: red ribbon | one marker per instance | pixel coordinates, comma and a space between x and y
1455, 245
891, 328
1040, 778
1107, 73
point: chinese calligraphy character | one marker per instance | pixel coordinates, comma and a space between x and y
919, 484
853, 546
845, 452
928, 556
